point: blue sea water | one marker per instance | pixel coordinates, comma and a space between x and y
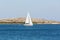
35, 32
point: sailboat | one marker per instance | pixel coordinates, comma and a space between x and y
28, 21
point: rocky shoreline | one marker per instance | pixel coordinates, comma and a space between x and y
22, 21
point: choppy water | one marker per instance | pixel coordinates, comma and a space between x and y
35, 32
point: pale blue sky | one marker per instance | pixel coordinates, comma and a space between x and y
47, 9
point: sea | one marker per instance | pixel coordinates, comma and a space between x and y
35, 32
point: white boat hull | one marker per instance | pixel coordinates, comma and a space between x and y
28, 24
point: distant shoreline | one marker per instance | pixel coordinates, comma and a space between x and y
22, 21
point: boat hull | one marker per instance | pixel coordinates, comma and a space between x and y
28, 24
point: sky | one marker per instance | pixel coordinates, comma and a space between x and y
46, 9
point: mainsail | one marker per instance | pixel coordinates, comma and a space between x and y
28, 20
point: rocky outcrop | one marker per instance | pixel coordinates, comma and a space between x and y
34, 20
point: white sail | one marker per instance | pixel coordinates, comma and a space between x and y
28, 20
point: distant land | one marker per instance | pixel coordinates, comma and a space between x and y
22, 21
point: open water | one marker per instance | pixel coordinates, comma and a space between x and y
35, 32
